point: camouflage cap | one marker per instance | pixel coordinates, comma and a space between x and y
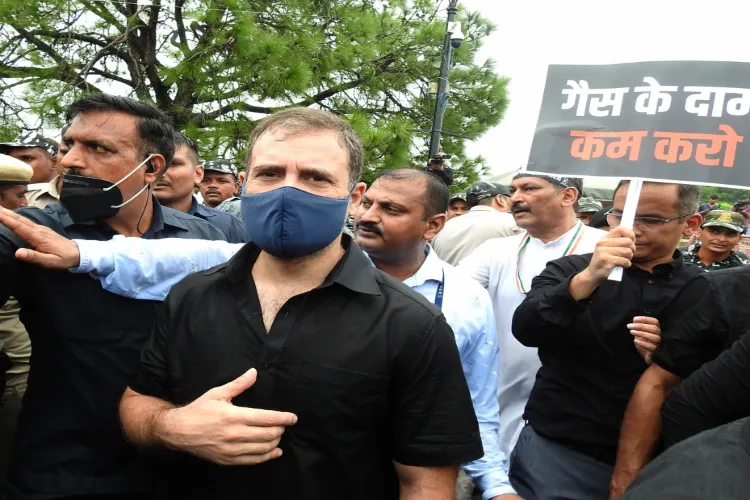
30, 140
484, 189
458, 196
588, 205
730, 220
223, 166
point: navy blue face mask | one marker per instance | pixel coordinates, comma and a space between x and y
289, 223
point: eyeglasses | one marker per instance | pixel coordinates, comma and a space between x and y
645, 224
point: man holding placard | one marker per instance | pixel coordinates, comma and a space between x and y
583, 325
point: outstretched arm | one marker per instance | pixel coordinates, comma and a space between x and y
131, 267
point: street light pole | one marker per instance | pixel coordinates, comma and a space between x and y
441, 99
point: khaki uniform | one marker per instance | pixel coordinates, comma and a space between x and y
42, 194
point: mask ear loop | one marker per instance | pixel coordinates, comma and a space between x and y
136, 195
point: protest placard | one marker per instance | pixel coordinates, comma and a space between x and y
669, 121
680, 121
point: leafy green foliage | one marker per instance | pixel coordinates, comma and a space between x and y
217, 66
727, 196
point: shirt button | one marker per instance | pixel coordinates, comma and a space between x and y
648, 311
651, 281
266, 365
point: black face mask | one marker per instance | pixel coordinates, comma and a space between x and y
89, 198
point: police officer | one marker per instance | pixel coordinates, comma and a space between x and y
220, 185
587, 207
457, 205
720, 233
15, 346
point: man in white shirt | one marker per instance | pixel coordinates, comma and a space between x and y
489, 217
544, 206
398, 215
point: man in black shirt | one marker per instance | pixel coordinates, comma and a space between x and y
716, 394
175, 190
353, 375
583, 325
86, 341
713, 464
707, 317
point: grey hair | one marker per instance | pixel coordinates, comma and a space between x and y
689, 196
295, 121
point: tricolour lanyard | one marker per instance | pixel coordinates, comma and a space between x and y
572, 245
439, 293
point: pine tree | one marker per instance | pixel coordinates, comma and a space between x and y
217, 66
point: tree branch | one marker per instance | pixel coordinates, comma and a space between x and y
101, 10
202, 119
61, 74
180, 24
112, 76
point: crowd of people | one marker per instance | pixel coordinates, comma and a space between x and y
240, 341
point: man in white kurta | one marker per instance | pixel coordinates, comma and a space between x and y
544, 207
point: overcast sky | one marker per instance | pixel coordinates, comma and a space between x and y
534, 33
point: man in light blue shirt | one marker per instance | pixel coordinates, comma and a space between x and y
402, 210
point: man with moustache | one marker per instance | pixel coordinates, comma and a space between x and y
353, 407
457, 205
398, 215
86, 341
583, 324
175, 190
44, 156
543, 206
37, 151
720, 233
220, 183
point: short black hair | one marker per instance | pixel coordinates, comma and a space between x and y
181, 140
154, 126
436, 195
714, 197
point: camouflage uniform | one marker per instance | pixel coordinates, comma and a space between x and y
230, 205
721, 218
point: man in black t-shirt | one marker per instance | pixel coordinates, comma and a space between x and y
708, 316
713, 464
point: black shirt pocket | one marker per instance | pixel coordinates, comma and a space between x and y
337, 405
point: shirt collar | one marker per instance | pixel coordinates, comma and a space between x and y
46, 187
199, 210
431, 270
482, 208
668, 268
564, 237
354, 271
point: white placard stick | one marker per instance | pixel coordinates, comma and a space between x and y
628, 215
